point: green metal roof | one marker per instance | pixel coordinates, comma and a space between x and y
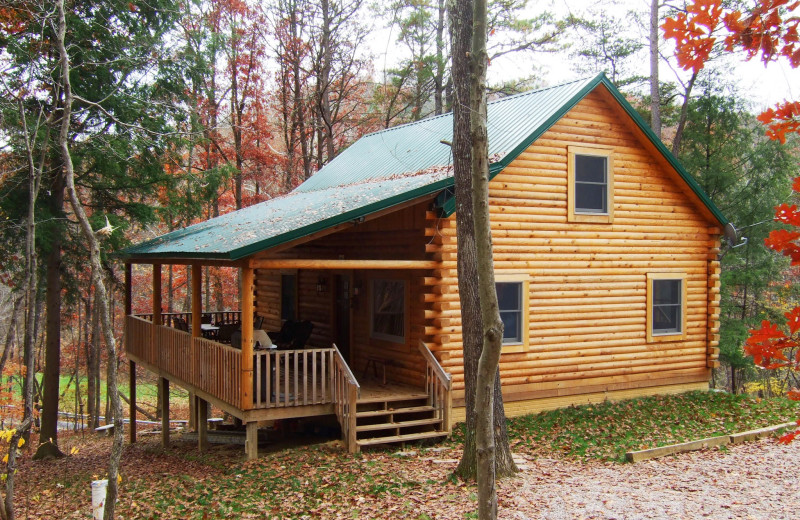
384, 169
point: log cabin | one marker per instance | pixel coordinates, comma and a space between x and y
606, 259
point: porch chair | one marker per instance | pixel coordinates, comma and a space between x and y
180, 324
302, 331
226, 331
283, 337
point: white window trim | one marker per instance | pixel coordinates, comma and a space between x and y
524, 279
665, 336
379, 335
595, 151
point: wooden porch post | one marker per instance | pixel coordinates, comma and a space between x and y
251, 441
202, 423
197, 313
197, 300
247, 338
163, 386
200, 415
131, 364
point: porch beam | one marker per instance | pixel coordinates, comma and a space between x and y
311, 263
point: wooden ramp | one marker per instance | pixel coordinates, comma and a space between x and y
395, 413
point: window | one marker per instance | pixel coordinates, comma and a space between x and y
512, 298
590, 173
388, 310
509, 298
288, 297
666, 304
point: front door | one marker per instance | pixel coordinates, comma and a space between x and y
342, 314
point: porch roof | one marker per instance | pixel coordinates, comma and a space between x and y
384, 169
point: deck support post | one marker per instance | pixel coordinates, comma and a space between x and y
247, 338
202, 424
251, 441
163, 386
132, 387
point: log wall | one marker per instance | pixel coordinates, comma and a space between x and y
587, 281
398, 235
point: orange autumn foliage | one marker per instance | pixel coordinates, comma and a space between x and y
769, 30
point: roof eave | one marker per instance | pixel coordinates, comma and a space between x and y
263, 245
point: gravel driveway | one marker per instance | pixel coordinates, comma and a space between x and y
756, 480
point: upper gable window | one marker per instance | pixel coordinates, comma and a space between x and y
590, 174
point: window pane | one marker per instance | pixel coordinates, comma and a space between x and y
666, 292
508, 295
590, 198
511, 327
666, 318
667, 302
388, 308
509, 299
589, 168
288, 297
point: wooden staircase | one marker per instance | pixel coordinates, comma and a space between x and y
396, 418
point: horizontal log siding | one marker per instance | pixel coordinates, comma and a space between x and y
267, 300
587, 281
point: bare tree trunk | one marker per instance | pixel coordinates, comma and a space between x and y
97, 268
490, 312
655, 96
441, 60
472, 334
11, 332
34, 182
676, 143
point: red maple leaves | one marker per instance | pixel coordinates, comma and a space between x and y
770, 30
771, 347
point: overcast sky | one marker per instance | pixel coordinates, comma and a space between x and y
763, 86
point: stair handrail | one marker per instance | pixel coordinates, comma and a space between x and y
445, 378
345, 399
345, 368
441, 397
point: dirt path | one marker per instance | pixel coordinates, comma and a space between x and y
757, 480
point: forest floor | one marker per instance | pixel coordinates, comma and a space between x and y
310, 477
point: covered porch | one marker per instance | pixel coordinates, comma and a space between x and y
374, 399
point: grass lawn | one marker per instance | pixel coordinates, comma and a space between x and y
323, 480
606, 431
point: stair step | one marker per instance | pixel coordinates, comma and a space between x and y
409, 409
395, 425
391, 398
401, 438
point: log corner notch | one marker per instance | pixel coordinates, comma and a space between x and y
714, 296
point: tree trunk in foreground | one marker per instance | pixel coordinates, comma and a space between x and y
97, 268
490, 313
655, 96
472, 333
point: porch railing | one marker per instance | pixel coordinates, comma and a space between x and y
438, 385
167, 318
293, 377
208, 366
346, 391
281, 378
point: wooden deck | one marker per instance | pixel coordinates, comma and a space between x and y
295, 383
